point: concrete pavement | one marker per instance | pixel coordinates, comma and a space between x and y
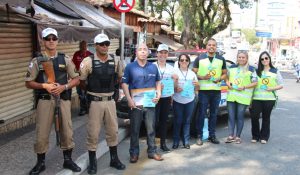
17, 156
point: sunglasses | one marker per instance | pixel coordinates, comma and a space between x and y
266, 58
184, 60
103, 44
50, 38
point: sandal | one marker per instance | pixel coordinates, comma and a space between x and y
238, 140
230, 139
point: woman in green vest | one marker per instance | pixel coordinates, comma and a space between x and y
264, 97
241, 80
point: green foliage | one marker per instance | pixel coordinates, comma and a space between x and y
250, 35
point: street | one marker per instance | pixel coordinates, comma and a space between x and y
279, 156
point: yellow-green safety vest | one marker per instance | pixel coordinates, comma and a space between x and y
267, 79
214, 68
240, 79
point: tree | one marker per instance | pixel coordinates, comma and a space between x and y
250, 35
205, 18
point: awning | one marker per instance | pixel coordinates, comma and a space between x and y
165, 40
56, 7
111, 26
16, 3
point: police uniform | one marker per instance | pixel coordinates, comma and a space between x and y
100, 94
102, 78
46, 103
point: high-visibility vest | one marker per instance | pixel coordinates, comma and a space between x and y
214, 68
240, 79
267, 79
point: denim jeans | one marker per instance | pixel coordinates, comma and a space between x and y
265, 108
182, 119
236, 114
137, 115
82, 99
207, 99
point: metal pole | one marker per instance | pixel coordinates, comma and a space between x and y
122, 34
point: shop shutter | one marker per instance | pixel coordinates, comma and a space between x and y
15, 54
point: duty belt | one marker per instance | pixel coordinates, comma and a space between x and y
96, 98
44, 97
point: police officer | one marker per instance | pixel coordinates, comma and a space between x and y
37, 79
102, 73
211, 69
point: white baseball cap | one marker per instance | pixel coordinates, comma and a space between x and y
49, 31
162, 47
100, 38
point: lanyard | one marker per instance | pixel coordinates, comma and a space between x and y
210, 67
161, 73
185, 74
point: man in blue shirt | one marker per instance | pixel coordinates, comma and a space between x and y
140, 83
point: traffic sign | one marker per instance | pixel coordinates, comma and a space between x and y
264, 34
124, 5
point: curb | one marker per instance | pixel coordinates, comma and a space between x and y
83, 160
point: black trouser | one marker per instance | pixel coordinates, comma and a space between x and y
162, 110
265, 108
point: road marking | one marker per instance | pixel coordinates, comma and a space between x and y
284, 109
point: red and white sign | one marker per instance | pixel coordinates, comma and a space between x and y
124, 5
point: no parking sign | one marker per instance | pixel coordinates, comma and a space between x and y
124, 5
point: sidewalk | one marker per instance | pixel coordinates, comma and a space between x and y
18, 157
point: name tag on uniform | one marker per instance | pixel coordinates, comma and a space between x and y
62, 66
111, 63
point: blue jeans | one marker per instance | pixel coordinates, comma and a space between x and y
207, 99
182, 119
82, 99
236, 114
137, 115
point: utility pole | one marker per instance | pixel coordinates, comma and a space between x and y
145, 25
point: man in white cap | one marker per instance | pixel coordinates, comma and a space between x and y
162, 109
103, 73
47, 87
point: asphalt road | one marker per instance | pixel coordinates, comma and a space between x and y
280, 156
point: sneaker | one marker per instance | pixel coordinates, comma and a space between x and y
199, 142
213, 140
263, 141
254, 140
238, 140
230, 139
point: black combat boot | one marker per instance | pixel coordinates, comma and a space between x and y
92, 168
114, 159
68, 162
40, 165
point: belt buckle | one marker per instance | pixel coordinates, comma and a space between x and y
97, 98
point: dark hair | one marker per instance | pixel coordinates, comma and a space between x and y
260, 67
188, 57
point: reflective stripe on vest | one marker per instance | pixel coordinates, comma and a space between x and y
240, 79
215, 71
268, 80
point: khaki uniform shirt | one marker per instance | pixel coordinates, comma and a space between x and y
86, 69
33, 68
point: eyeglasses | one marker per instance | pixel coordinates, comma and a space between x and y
266, 58
50, 38
184, 60
103, 44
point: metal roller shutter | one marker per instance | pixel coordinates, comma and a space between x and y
15, 54
114, 45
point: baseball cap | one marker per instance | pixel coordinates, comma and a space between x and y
162, 47
100, 38
49, 31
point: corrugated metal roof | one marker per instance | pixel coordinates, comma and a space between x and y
165, 40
